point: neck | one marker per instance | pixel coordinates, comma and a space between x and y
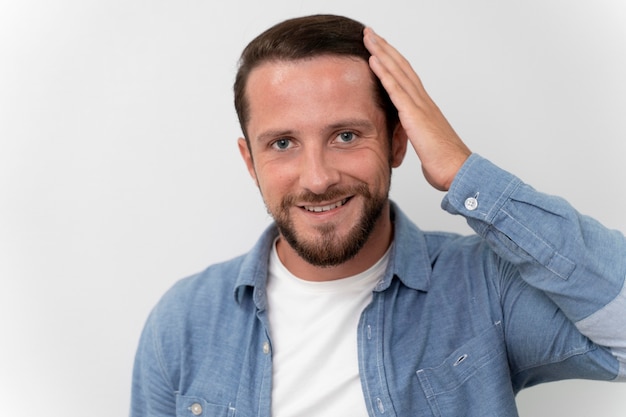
373, 249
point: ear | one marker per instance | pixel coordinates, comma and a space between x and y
244, 150
398, 145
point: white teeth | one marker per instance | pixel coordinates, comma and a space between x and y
319, 209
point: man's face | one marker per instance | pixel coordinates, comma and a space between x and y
321, 156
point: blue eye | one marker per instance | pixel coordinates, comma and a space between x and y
281, 144
346, 137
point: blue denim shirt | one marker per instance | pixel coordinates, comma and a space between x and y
457, 326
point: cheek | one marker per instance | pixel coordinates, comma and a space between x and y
371, 168
274, 183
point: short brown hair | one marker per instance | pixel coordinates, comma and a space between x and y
305, 38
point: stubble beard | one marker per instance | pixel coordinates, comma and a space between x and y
328, 249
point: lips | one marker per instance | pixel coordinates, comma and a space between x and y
328, 207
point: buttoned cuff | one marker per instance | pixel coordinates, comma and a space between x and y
479, 191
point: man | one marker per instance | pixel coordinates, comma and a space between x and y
344, 307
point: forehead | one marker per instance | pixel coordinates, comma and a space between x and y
320, 86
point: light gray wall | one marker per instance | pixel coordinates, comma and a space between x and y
119, 171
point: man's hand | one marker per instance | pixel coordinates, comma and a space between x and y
438, 147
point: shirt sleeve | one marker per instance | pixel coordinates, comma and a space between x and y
152, 395
574, 260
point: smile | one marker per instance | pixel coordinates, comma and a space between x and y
320, 209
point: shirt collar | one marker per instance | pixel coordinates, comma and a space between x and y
410, 258
253, 272
409, 261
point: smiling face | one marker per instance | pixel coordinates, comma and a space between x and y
320, 154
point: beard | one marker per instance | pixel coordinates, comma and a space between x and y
328, 248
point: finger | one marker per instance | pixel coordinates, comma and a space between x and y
391, 64
378, 46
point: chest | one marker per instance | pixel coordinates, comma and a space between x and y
414, 353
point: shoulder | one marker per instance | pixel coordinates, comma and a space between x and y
445, 244
213, 293
206, 288
194, 312
467, 258
196, 315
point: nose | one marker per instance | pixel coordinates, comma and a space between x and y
318, 169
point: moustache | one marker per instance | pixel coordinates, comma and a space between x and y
329, 195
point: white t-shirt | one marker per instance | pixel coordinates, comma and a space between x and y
313, 327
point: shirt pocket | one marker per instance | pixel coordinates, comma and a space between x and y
188, 406
474, 380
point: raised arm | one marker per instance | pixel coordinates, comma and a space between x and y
579, 264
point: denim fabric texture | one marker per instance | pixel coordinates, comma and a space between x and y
457, 326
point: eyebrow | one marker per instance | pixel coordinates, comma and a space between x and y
271, 134
362, 124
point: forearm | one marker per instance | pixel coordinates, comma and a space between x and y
577, 262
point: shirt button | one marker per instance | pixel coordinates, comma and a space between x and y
471, 203
266, 348
196, 409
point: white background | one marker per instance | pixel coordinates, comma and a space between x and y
119, 170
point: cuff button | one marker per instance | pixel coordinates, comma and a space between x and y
471, 203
